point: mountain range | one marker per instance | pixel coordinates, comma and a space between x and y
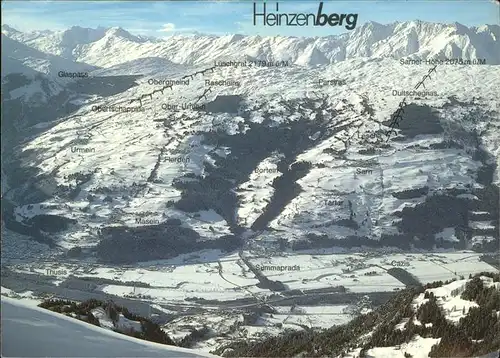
271, 149
146, 171
414, 39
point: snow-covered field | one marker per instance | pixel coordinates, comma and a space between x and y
418, 347
449, 300
172, 281
124, 165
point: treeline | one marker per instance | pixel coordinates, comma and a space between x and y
195, 336
122, 244
331, 342
285, 190
150, 331
475, 334
155, 242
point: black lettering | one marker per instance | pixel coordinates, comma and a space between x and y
303, 18
280, 16
333, 20
320, 16
352, 19
342, 18
312, 21
255, 14
271, 17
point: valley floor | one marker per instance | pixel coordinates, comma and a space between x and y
211, 289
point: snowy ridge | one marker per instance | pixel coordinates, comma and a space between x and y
418, 347
413, 39
29, 331
393, 330
448, 298
37, 60
147, 66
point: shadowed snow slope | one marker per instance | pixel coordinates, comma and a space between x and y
29, 331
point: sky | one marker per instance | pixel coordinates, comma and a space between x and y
166, 18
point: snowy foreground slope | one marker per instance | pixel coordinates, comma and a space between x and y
29, 331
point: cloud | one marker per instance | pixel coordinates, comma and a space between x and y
168, 27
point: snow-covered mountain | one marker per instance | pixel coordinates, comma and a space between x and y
415, 39
167, 182
147, 66
33, 76
43, 62
267, 148
106, 169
